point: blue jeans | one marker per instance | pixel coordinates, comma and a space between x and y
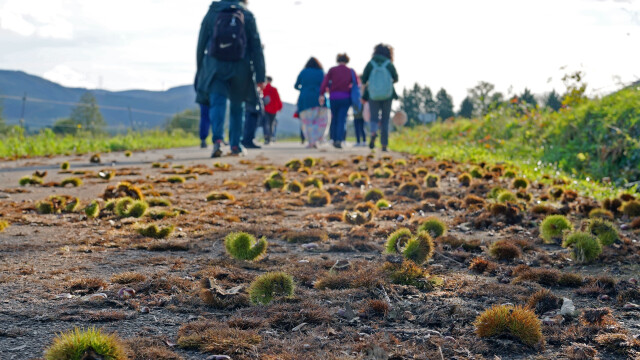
359, 125
252, 116
205, 122
380, 114
217, 113
339, 110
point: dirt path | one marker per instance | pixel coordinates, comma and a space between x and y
63, 270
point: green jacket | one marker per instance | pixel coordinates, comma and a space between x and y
367, 72
236, 80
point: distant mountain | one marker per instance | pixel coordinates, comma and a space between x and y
48, 101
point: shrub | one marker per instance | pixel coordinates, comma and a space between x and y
269, 286
295, 186
556, 192
243, 246
358, 179
176, 180
84, 344
432, 181
434, 226
294, 164
72, 205
586, 247
465, 179
357, 217
383, 173
507, 196
383, 204
74, 181
220, 196
30, 180
374, 195
400, 162
606, 233
480, 265
601, 213
504, 250
419, 249
543, 301
553, 227
495, 192
510, 174
421, 172
476, 173
411, 190
153, 231
306, 236
3, 225
318, 197
398, 240
571, 280
407, 273
65, 166
516, 321
313, 181
275, 180
520, 183
160, 202
631, 208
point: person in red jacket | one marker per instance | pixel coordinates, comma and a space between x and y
272, 104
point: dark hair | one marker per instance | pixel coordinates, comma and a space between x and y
269, 79
313, 63
384, 50
343, 58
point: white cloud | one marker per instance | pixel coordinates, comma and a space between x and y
45, 19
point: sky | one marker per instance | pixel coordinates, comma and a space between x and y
450, 44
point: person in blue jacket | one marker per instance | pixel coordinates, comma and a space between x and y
313, 115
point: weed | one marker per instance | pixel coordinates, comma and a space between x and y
525, 196
473, 200
542, 276
220, 196
213, 337
635, 224
153, 231
509, 174
543, 301
384, 173
356, 217
504, 250
586, 247
374, 195
398, 240
294, 164
517, 321
631, 208
408, 273
597, 317
159, 215
127, 207
432, 181
269, 286
520, 183
553, 228
432, 194
309, 162
295, 187
480, 265
87, 285
495, 192
81, 344
243, 246
95, 159
571, 280
419, 248
612, 205
30, 180
434, 226
476, 173
176, 180
601, 214
604, 230
318, 198
72, 205
556, 192
106, 175
465, 179
306, 236
65, 166
376, 308
75, 182
358, 179
159, 202
128, 278
507, 196
618, 343
579, 351
383, 204
411, 190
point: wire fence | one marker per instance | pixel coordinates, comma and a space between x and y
47, 124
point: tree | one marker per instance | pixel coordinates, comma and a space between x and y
481, 96
416, 101
496, 101
553, 101
187, 121
466, 108
87, 114
66, 126
528, 98
444, 105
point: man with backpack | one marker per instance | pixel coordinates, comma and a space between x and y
230, 64
379, 77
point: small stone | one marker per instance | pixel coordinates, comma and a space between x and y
408, 316
631, 306
144, 310
126, 293
568, 309
634, 281
64, 296
310, 246
341, 265
624, 227
95, 297
400, 218
604, 298
218, 357
449, 339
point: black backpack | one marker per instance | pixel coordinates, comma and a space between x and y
229, 39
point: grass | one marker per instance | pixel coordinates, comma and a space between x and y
16, 144
84, 344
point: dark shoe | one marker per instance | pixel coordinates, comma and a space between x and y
217, 151
203, 144
236, 151
384, 149
337, 144
251, 145
372, 143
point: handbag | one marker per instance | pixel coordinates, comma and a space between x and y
355, 93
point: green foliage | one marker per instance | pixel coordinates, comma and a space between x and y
604, 230
383, 204
398, 240
153, 231
434, 226
318, 197
73, 181
520, 183
92, 210
4, 225
65, 165
586, 247
313, 181
476, 173
518, 321
176, 179
553, 101
415, 101
553, 227
507, 196
383, 173
75, 344
631, 208
30, 180
374, 195
467, 108
482, 96
243, 246
127, 207
295, 187
160, 202
220, 196
420, 248
444, 105
269, 286
408, 273
187, 121
275, 180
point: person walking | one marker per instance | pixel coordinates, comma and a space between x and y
313, 115
379, 76
358, 122
272, 104
230, 64
338, 81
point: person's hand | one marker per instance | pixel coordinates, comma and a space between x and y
321, 100
261, 86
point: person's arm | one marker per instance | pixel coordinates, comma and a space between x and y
367, 73
203, 40
325, 83
393, 71
278, 101
298, 84
255, 47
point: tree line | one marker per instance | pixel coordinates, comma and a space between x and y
480, 100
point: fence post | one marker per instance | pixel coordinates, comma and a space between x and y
24, 103
133, 128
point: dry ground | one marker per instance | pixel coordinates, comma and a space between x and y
63, 271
